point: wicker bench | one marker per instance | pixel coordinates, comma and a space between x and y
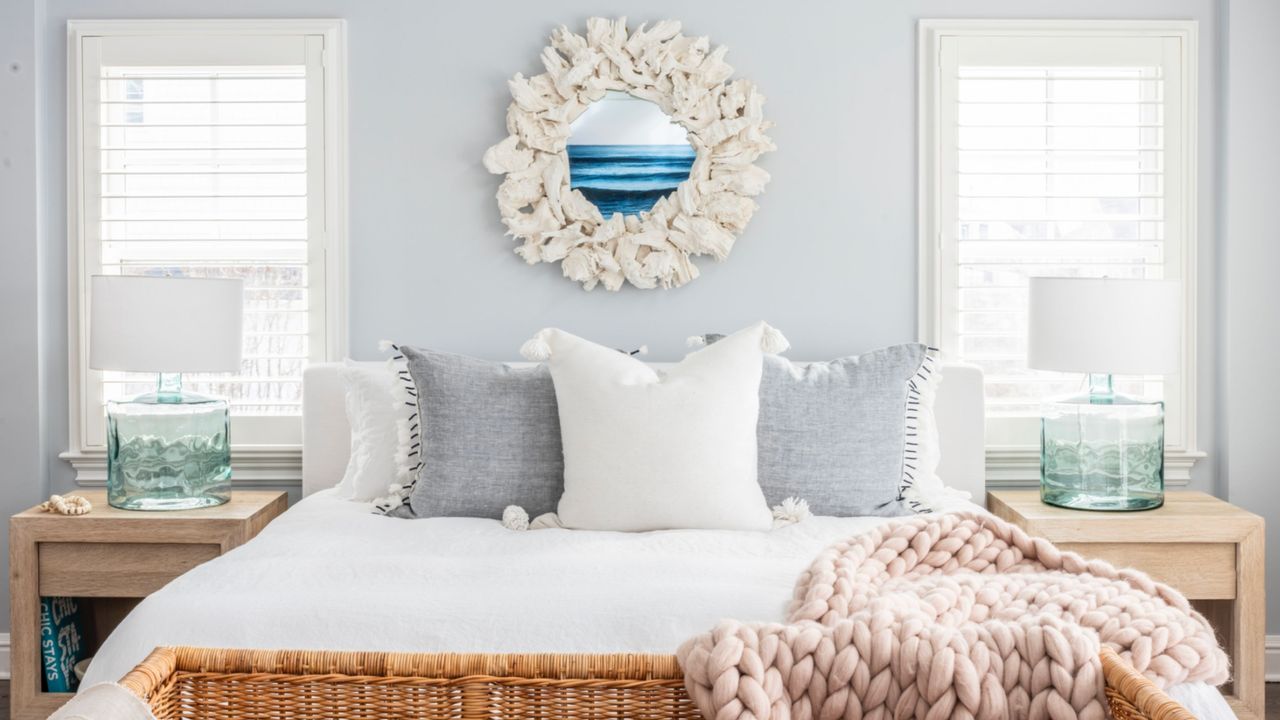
212, 684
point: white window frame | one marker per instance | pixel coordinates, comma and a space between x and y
1006, 465
256, 464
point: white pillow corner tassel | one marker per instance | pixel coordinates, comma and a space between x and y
393, 499
536, 348
790, 511
772, 340
515, 518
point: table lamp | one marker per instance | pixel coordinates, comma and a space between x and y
1102, 450
168, 449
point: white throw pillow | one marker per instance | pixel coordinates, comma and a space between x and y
371, 413
650, 451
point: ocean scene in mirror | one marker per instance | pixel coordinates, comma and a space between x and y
625, 154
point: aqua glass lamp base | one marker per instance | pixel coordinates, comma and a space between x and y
168, 450
1102, 451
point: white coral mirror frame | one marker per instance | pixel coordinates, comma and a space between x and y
687, 80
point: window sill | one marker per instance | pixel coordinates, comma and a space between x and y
282, 467
276, 467
1007, 467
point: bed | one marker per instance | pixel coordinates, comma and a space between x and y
329, 575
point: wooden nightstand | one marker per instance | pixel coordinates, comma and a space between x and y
109, 559
1210, 550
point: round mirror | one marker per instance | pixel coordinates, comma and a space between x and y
625, 154
605, 195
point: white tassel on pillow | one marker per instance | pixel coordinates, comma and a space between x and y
536, 348
790, 511
514, 517
393, 499
405, 405
405, 466
773, 341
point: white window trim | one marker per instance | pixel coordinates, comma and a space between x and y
261, 464
1019, 466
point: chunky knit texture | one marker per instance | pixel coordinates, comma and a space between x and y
949, 616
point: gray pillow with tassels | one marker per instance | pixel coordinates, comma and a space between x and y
476, 436
841, 435
489, 437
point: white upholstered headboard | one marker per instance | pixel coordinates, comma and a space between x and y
326, 437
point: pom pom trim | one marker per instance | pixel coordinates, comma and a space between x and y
773, 341
515, 518
791, 511
536, 348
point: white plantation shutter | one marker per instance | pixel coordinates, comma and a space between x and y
1056, 156
205, 157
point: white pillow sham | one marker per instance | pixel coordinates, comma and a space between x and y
650, 451
371, 413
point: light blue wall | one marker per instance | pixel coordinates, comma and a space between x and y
24, 479
830, 258
1249, 259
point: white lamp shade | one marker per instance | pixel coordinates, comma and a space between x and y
153, 324
1104, 325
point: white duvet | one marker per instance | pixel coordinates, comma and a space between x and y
330, 575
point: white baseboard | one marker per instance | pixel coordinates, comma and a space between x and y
1272, 666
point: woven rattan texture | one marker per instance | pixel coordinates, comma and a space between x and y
212, 684
204, 684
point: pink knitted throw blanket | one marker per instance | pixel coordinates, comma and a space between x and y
949, 616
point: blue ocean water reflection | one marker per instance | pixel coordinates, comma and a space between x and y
628, 179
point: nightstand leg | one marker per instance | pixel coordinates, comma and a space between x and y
24, 621
1248, 621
